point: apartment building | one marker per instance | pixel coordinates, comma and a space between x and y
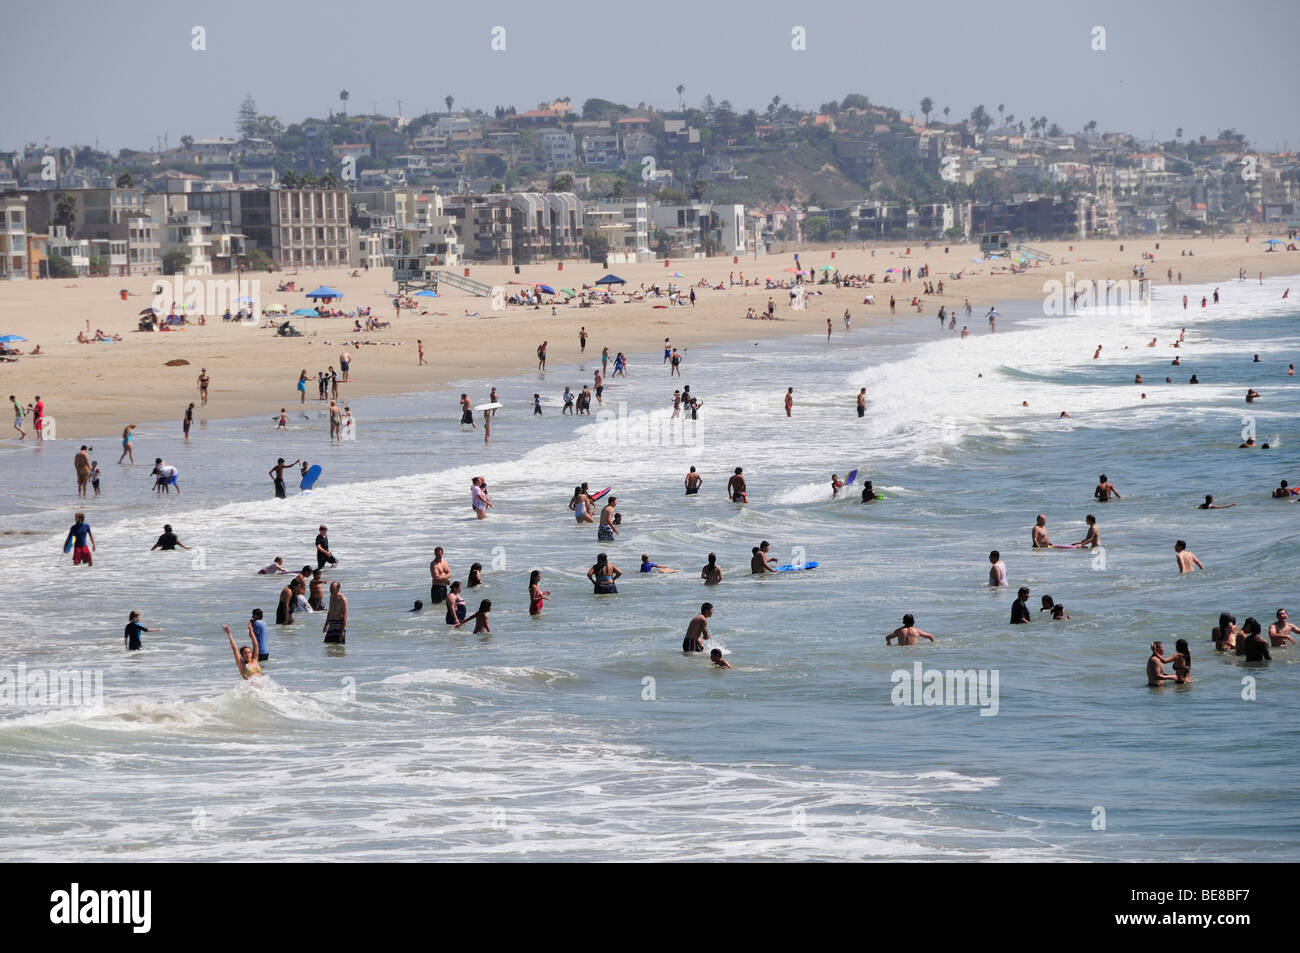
14, 263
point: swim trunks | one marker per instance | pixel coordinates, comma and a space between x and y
605, 534
606, 589
334, 632
437, 593
81, 554
692, 645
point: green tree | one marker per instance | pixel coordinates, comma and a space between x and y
698, 188
927, 105
496, 189
126, 181
855, 101
449, 99
175, 263
561, 183
344, 96
65, 212
680, 100
246, 122
618, 189
187, 142
60, 267
946, 110
980, 118
816, 227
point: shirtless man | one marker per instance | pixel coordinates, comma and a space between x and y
693, 481
1209, 504
1104, 490
759, 562
1038, 535
336, 620
440, 576
862, 402
1187, 561
276, 473
736, 491
1092, 539
907, 633
607, 530
697, 633
997, 569
1279, 633
1156, 666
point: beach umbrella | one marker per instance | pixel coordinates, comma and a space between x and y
426, 294
1273, 241
324, 291
546, 289
244, 300
567, 291
610, 280
978, 261
827, 268
888, 270
149, 311
12, 338
306, 313
676, 274
274, 307
796, 270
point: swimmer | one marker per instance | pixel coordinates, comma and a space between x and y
1279, 633
736, 490
1105, 490
275, 569
1284, 492
997, 569
1187, 561
868, 492
1252, 395
697, 632
479, 618
603, 576
1038, 535
836, 485
648, 566
1048, 604
712, 572
581, 505
536, 595
1224, 635
245, 657
692, 482
716, 655
1253, 646
1209, 504
760, 562
1156, 666
907, 633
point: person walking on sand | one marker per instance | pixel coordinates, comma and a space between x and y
420, 348
126, 444
541, 356
336, 619
20, 415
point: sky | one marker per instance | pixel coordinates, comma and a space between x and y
77, 75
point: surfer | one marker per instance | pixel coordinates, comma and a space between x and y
697, 632
868, 492
132, 634
78, 536
907, 633
836, 485
1209, 504
245, 657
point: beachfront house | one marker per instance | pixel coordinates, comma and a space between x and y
13, 238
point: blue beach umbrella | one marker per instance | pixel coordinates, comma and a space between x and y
546, 289
306, 313
426, 294
324, 291
12, 338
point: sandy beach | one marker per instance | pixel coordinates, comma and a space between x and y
95, 389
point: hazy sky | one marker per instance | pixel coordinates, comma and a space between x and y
125, 74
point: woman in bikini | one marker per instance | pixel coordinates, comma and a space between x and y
245, 657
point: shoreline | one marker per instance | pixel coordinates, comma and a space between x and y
96, 389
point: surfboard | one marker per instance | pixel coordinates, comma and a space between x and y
67, 547
790, 567
1065, 546
853, 475
598, 495
492, 406
309, 479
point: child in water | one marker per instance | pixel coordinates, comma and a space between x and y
716, 658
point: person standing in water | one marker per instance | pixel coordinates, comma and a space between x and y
1187, 561
862, 402
276, 473
1038, 535
692, 482
126, 444
1092, 539
78, 536
245, 657
997, 569
604, 575
536, 596
188, 421
1105, 490
907, 633
336, 620
789, 398
697, 631
132, 635
712, 572
736, 491
1156, 666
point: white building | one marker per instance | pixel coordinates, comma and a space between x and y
558, 149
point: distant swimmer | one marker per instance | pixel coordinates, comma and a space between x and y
1038, 535
1224, 635
1137, 379
1097, 353
997, 569
760, 562
1253, 646
604, 576
1091, 539
712, 572
1248, 445
536, 595
1285, 492
608, 527
716, 655
736, 490
907, 633
1020, 608
1187, 561
274, 569
1252, 395
245, 657
1279, 633
479, 618
1048, 604
1105, 490
1194, 380
692, 482
1156, 666
131, 637
1209, 504
789, 391
168, 540
862, 402
836, 485
697, 632
868, 492
648, 566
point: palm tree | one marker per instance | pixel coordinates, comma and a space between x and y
927, 105
681, 89
449, 99
946, 110
1178, 133
1001, 117
343, 98
1091, 126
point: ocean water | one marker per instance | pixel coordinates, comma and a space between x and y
585, 734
